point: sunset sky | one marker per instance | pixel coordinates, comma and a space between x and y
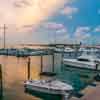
49, 21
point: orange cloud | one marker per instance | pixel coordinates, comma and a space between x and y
21, 12
17, 13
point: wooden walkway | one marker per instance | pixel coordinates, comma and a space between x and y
93, 95
90, 93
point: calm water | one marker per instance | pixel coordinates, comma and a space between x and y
15, 73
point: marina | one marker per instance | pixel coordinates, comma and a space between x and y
47, 66
49, 50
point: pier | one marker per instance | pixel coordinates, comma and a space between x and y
27, 52
42, 53
89, 93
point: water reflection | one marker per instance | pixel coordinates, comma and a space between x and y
44, 96
1, 83
15, 73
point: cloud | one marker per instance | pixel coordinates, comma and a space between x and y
81, 30
53, 25
59, 33
63, 30
69, 11
86, 36
82, 33
30, 27
22, 12
97, 29
25, 16
22, 3
53, 31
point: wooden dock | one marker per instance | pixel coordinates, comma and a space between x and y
90, 93
93, 95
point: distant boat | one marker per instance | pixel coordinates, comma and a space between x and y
52, 87
84, 62
94, 50
58, 49
64, 49
83, 50
69, 50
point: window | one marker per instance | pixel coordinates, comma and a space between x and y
82, 59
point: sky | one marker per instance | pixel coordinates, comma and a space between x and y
50, 21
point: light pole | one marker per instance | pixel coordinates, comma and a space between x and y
4, 35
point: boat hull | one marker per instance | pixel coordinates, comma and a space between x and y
42, 95
81, 65
42, 90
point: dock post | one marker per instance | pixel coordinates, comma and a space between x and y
70, 54
1, 83
53, 62
41, 64
28, 69
62, 56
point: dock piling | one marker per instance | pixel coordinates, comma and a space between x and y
1, 83
62, 56
53, 62
41, 64
28, 69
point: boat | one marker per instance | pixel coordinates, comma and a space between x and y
84, 61
58, 49
93, 50
83, 50
50, 86
67, 49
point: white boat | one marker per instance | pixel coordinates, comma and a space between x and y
84, 62
58, 49
53, 87
69, 50
93, 50
84, 50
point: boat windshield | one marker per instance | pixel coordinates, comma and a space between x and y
82, 59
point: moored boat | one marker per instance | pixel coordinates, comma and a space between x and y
84, 62
53, 87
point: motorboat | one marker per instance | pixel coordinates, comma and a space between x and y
83, 50
57, 49
53, 87
67, 49
84, 61
93, 50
